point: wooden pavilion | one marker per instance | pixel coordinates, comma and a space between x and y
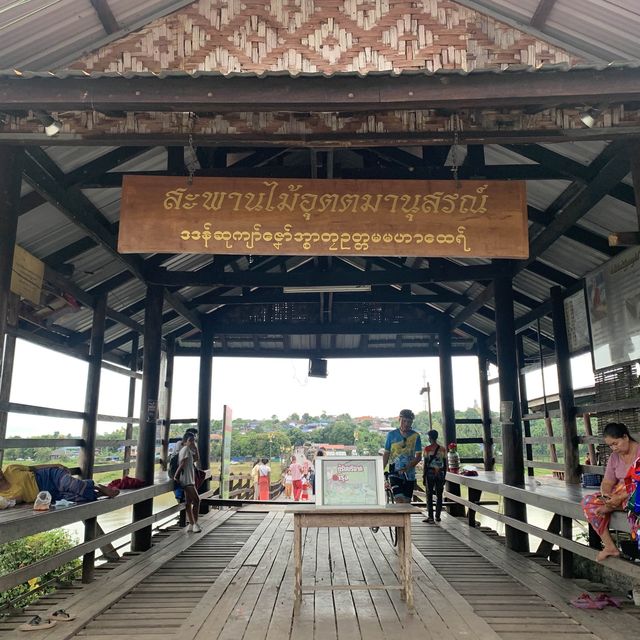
95, 93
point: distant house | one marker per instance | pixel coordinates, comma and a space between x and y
337, 449
65, 452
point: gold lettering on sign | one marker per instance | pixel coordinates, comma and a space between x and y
287, 197
290, 240
269, 216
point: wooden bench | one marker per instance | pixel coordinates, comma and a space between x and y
391, 515
22, 521
550, 495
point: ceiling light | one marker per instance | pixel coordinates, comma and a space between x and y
588, 117
340, 288
51, 126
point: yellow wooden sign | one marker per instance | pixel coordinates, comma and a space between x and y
27, 275
264, 216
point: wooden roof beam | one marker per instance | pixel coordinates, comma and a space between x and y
105, 15
438, 273
541, 14
83, 213
336, 93
90, 171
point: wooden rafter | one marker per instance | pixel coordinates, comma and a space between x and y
106, 16
541, 13
44, 178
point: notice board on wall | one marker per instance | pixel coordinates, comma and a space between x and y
350, 481
613, 295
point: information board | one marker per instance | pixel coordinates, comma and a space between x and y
259, 216
575, 312
349, 481
613, 294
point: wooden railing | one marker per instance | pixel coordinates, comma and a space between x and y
23, 521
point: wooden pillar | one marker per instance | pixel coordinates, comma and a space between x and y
512, 458
635, 174
7, 368
131, 404
204, 402
90, 423
524, 402
92, 394
10, 181
447, 400
145, 459
168, 383
485, 408
565, 390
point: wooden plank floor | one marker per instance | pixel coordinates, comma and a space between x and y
253, 598
235, 581
518, 597
165, 599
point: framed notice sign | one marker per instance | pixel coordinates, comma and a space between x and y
350, 481
613, 294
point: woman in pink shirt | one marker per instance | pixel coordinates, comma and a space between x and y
613, 496
295, 470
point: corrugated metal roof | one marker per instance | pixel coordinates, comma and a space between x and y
44, 230
63, 29
603, 29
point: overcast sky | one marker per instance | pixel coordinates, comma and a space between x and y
258, 387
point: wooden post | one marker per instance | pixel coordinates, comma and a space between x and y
11, 159
635, 174
7, 368
204, 403
586, 419
487, 438
566, 557
131, 404
447, 400
90, 423
565, 390
512, 457
168, 383
145, 460
524, 402
92, 394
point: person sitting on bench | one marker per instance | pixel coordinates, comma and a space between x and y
613, 496
23, 483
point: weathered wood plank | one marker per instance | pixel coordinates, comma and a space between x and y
612, 625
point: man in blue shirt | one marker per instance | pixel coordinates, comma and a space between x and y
403, 451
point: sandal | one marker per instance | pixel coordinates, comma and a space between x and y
37, 623
62, 616
587, 601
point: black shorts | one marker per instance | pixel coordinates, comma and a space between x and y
401, 487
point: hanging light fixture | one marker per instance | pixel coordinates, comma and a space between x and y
52, 126
588, 117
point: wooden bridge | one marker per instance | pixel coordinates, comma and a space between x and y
235, 580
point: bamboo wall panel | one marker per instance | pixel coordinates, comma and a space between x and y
274, 124
323, 36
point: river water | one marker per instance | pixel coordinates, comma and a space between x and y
121, 517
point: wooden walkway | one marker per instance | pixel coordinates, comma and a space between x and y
235, 581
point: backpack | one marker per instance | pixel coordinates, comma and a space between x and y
172, 466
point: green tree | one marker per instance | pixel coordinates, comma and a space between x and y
20, 553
